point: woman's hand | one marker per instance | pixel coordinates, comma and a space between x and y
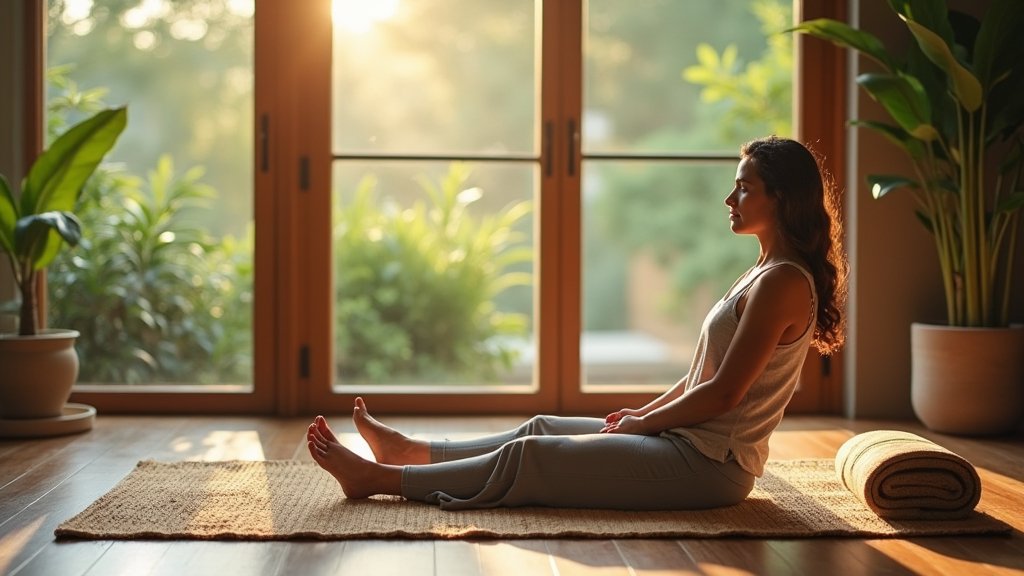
627, 424
618, 415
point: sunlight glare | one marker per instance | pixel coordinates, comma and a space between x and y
245, 8
75, 10
145, 13
359, 16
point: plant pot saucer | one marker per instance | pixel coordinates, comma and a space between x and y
75, 418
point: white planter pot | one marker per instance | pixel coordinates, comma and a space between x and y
37, 373
968, 381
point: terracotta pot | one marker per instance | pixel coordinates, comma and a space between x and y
968, 380
38, 373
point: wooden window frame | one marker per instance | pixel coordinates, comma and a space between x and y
292, 334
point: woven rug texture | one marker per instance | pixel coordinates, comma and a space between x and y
288, 499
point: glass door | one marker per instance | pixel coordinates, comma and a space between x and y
669, 93
436, 196
162, 288
512, 206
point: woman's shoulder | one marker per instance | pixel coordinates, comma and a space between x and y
788, 272
786, 285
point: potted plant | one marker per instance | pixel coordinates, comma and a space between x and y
40, 366
955, 101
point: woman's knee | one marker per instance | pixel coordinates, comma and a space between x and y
537, 426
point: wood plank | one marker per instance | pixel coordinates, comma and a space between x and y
823, 556
311, 559
108, 454
586, 557
456, 558
514, 558
388, 557
729, 556
994, 554
121, 558
18, 457
204, 558
656, 557
284, 439
918, 559
38, 478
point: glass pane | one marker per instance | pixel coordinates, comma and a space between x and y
434, 273
161, 287
435, 76
658, 252
670, 76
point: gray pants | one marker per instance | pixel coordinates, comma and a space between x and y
566, 462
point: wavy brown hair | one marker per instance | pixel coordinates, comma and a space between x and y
808, 209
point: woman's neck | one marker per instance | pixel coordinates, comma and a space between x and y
774, 251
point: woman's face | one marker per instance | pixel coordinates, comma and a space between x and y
751, 209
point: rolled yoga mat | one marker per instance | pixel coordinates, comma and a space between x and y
902, 476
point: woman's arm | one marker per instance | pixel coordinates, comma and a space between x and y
777, 302
671, 394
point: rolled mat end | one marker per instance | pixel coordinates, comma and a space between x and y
902, 476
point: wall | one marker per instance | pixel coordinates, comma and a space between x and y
10, 125
895, 268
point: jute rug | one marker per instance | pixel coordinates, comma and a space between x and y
277, 500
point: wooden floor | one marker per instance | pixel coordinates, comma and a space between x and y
43, 482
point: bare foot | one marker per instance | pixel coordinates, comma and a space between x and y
358, 478
387, 444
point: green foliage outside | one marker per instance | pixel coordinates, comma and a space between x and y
671, 212
155, 297
759, 94
416, 286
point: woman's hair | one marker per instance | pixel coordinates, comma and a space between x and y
808, 211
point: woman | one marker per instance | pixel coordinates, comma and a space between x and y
702, 443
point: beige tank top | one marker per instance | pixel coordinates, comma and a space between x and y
743, 432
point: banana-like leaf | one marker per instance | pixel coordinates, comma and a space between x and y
1005, 104
925, 221
1012, 202
914, 147
40, 235
847, 37
998, 48
882, 184
932, 14
904, 99
966, 86
8, 216
56, 178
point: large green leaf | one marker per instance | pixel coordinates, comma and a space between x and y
882, 184
56, 178
925, 221
998, 48
35, 235
8, 216
914, 147
932, 14
904, 99
1012, 202
965, 85
843, 35
1006, 105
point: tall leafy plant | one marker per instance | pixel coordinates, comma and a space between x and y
417, 286
955, 102
34, 227
156, 297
